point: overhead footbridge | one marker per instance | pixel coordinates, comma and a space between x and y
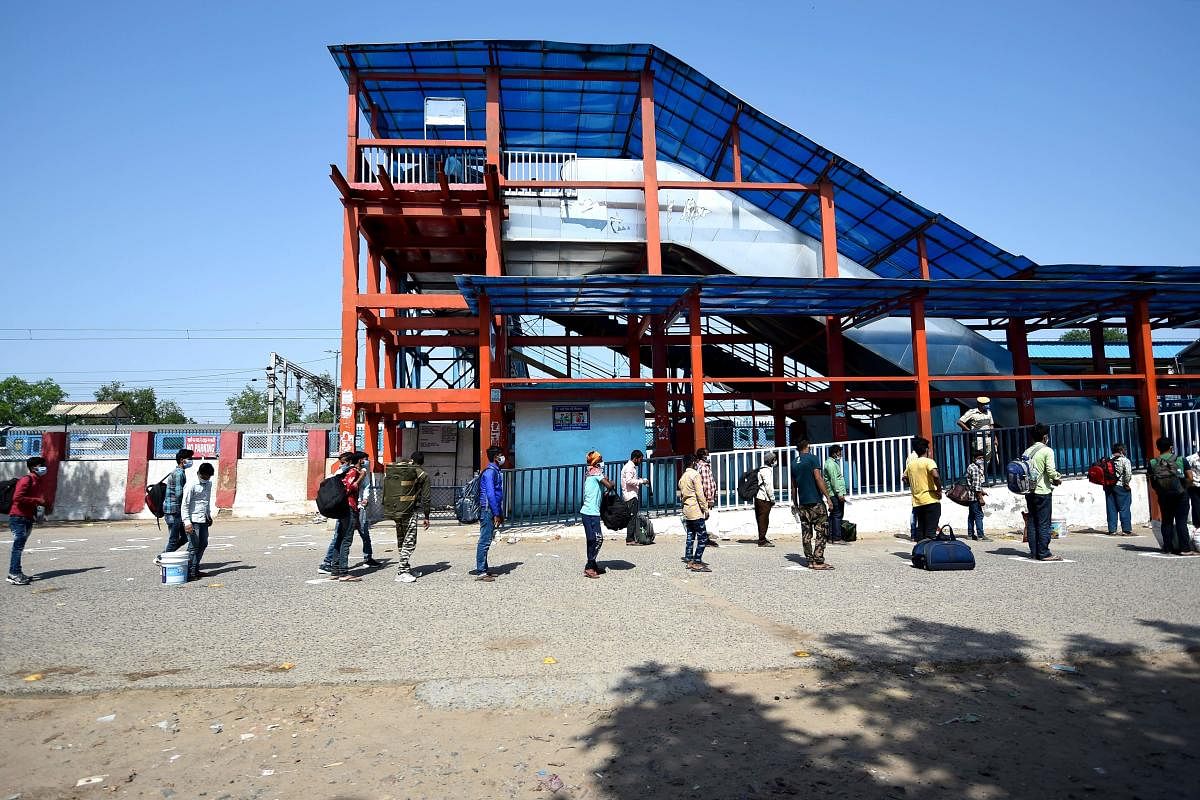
810, 289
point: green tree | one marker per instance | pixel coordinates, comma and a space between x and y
323, 396
249, 407
1084, 336
25, 403
143, 405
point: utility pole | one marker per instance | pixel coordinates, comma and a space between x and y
271, 393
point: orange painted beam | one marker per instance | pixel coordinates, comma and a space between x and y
1017, 340
421, 301
829, 231
430, 143
924, 409
429, 323
369, 396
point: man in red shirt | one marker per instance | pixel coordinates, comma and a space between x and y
28, 495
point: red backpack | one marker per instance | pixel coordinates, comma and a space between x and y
1103, 472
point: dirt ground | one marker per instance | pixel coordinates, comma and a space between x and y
1123, 726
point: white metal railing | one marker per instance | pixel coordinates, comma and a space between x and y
535, 165
260, 444
872, 468
1183, 428
18, 444
411, 165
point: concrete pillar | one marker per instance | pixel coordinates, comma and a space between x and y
230, 451
141, 450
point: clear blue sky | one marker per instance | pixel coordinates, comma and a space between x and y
165, 164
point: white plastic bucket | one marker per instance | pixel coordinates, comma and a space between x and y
174, 567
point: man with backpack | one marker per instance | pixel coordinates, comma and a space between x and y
337, 557
29, 493
491, 511
1169, 478
405, 492
1117, 495
1044, 476
176, 481
809, 495
362, 519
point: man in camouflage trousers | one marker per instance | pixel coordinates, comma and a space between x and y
405, 493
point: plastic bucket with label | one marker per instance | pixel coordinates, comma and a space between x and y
174, 567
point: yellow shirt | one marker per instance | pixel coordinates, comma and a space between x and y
920, 480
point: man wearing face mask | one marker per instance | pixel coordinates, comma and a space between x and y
979, 419
196, 510
28, 494
491, 511
176, 536
366, 492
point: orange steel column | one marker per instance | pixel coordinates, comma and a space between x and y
492, 114
735, 146
371, 366
1141, 349
484, 372
650, 176
347, 411
836, 363
921, 369
633, 348
777, 403
696, 344
1018, 345
352, 129
662, 420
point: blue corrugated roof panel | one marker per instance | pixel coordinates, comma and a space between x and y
1084, 350
875, 223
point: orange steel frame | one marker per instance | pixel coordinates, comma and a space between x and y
391, 322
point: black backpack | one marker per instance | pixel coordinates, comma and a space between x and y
7, 489
332, 500
748, 485
466, 504
644, 534
1164, 476
614, 512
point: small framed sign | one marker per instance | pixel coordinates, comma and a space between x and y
571, 418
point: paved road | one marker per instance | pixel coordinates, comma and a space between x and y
97, 617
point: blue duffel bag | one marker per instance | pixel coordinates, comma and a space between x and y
943, 552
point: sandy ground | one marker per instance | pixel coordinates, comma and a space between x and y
1118, 727
762, 679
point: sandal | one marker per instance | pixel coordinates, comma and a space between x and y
698, 567
348, 579
591, 573
820, 566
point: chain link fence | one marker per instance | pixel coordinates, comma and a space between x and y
92, 446
260, 444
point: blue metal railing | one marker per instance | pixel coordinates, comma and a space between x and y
554, 494
168, 443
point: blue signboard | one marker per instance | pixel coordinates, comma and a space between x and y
571, 418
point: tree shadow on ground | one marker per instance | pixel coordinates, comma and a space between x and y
976, 726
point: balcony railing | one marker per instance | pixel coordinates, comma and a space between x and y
408, 163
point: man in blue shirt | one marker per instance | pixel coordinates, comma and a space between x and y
176, 537
491, 510
809, 495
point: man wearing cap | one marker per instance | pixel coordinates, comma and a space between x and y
979, 419
176, 537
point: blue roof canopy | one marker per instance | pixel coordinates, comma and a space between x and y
876, 224
859, 299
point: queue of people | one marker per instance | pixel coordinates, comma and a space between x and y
818, 499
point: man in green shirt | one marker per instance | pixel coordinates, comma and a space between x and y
1040, 500
835, 480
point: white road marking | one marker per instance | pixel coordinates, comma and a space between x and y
1168, 555
66, 541
43, 549
143, 539
298, 544
131, 547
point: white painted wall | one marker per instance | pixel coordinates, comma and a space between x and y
1078, 502
272, 486
91, 490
